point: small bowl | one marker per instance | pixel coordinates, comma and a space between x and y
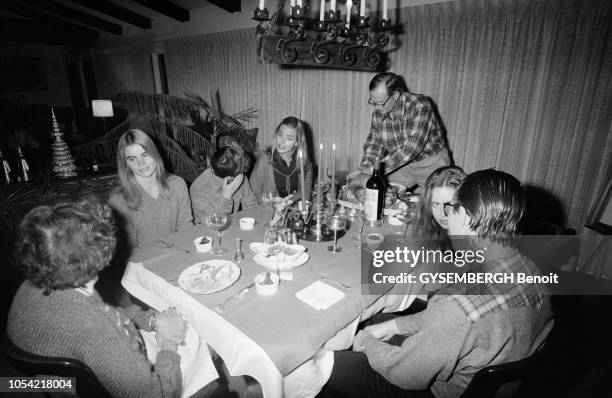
203, 247
247, 223
266, 289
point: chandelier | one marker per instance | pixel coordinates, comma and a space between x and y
333, 40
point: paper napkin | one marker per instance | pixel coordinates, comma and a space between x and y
320, 295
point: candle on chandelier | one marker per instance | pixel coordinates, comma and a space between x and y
322, 11
299, 3
384, 9
292, 4
261, 4
362, 8
332, 6
349, 5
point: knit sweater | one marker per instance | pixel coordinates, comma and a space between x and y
445, 348
207, 196
262, 178
69, 324
155, 218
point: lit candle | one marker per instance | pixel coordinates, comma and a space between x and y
261, 4
302, 187
319, 175
332, 6
299, 3
349, 5
333, 174
322, 11
362, 9
292, 4
384, 9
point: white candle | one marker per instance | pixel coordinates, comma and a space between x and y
362, 9
261, 4
384, 9
319, 175
349, 5
333, 173
322, 11
299, 3
332, 6
292, 4
302, 187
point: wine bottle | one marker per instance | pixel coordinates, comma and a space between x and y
375, 198
23, 168
6, 170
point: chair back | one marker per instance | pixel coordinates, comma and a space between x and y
87, 384
503, 380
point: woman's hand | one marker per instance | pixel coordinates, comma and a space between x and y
383, 331
171, 328
229, 188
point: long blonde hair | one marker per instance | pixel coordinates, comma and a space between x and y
300, 130
129, 186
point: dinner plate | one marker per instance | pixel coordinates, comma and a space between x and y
209, 276
271, 263
292, 252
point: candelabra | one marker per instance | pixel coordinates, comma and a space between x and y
328, 41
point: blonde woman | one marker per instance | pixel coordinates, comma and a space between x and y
277, 170
152, 203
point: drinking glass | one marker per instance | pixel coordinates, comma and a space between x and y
275, 241
359, 215
267, 198
219, 221
337, 223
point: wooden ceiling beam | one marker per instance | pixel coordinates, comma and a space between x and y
115, 11
81, 17
167, 8
230, 6
44, 20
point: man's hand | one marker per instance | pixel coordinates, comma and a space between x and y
383, 331
229, 188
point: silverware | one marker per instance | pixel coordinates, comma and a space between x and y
239, 295
324, 278
170, 244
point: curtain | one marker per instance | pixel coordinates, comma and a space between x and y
123, 69
524, 86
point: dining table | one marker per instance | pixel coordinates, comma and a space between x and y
279, 340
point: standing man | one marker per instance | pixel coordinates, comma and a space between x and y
405, 133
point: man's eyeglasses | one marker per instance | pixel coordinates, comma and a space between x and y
381, 105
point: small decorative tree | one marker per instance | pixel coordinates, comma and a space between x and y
185, 128
63, 163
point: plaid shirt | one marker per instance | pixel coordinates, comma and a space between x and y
409, 132
478, 300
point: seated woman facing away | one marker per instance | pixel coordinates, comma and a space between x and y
277, 170
223, 186
56, 312
152, 203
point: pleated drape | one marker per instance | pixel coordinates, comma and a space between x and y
524, 86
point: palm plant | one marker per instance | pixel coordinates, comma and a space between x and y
185, 128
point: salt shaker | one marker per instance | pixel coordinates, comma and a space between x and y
239, 255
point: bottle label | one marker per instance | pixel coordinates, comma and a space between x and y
371, 204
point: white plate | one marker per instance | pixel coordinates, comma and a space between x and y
271, 263
209, 276
292, 252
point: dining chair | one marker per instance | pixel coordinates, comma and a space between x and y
87, 384
504, 380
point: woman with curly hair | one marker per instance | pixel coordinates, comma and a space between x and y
224, 186
278, 170
57, 312
151, 202
431, 223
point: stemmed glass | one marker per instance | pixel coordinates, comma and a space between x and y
275, 240
219, 221
337, 223
359, 215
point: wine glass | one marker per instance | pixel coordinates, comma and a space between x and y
275, 241
337, 223
267, 198
219, 222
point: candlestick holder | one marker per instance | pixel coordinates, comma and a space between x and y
261, 16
